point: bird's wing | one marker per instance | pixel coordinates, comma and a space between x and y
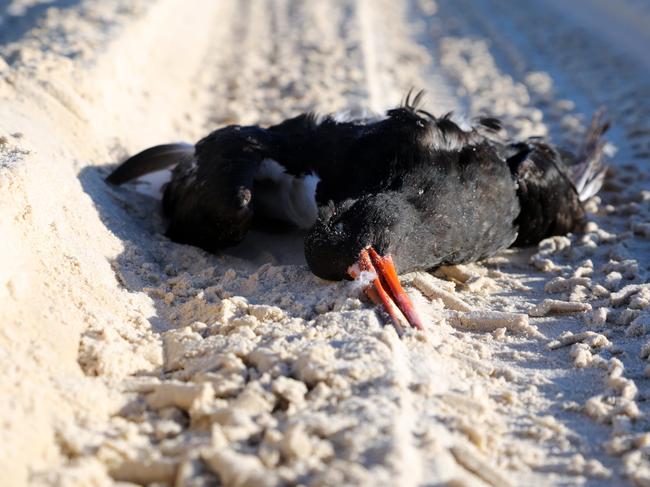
209, 199
549, 201
150, 160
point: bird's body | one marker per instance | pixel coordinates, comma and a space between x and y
408, 184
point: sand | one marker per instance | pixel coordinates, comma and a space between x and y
128, 359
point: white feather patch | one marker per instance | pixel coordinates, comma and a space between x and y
153, 184
292, 199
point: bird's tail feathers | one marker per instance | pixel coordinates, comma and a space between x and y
588, 172
150, 160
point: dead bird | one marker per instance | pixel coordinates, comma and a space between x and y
406, 190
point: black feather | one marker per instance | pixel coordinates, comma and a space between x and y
150, 160
412, 185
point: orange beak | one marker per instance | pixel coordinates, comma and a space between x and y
385, 289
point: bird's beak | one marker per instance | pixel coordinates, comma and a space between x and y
385, 289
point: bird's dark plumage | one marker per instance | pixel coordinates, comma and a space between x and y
150, 160
409, 184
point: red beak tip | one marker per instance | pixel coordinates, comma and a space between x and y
384, 288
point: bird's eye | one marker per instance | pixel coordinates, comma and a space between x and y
420, 191
338, 228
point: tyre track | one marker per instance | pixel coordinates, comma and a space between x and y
546, 62
269, 67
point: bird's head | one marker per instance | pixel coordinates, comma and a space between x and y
357, 237
344, 229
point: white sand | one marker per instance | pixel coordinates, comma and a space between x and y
125, 358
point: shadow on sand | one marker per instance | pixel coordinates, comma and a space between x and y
149, 257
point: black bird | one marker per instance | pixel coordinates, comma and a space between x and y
406, 188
